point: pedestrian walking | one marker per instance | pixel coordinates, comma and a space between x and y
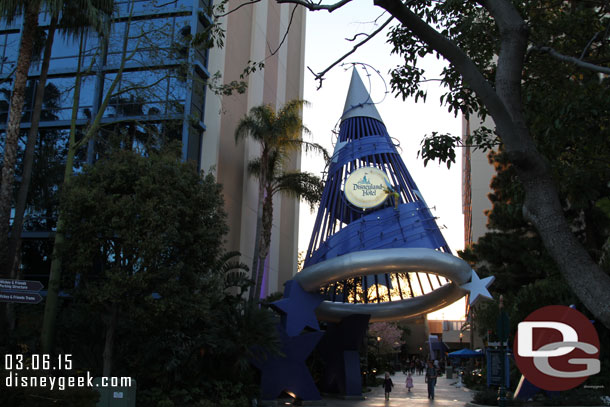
431, 375
387, 385
409, 382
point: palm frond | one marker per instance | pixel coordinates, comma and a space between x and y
9, 9
258, 124
289, 120
254, 167
275, 162
302, 185
309, 147
235, 272
78, 16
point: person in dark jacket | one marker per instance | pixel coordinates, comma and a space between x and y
387, 385
431, 375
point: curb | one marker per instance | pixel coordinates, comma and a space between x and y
471, 404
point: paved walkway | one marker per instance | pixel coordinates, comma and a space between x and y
446, 394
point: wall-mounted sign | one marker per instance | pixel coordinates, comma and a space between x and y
366, 187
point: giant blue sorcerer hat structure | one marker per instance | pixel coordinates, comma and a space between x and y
376, 254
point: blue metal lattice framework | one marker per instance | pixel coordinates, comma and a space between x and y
397, 242
342, 228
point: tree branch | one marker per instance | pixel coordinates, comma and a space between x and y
320, 76
552, 52
237, 8
317, 7
463, 64
509, 69
355, 36
584, 51
285, 34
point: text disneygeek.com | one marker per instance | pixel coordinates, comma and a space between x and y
40, 370
63, 382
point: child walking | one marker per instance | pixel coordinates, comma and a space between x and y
387, 385
409, 382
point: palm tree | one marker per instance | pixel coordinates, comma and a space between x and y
76, 17
279, 135
9, 10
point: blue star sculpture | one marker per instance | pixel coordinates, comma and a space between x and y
288, 372
339, 350
297, 309
526, 390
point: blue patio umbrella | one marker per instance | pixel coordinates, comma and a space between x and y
465, 353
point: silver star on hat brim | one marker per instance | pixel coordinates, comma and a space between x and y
478, 287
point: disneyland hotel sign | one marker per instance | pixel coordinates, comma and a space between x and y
365, 187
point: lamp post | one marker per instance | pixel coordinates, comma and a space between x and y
461, 336
378, 353
502, 327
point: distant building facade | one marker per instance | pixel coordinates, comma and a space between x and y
162, 95
477, 174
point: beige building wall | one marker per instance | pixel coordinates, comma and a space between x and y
254, 33
476, 180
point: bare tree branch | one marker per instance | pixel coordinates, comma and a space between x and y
285, 34
575, 61
367, 22
456, 55
584, 51
356, 36
237, 8
320, 76
316, 6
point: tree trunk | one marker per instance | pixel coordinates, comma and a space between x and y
586, 279
15, 240
542, 206
267, 225
254, 293
51, 303
12, 129
52, 300
109, 343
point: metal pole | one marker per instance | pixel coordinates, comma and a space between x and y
502, 389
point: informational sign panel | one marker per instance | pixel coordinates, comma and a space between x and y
21, 298
494, 368
20, 285
367, 187
20, 291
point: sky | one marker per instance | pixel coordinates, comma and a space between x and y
407, 122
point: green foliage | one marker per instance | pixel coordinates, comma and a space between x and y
567, 110
473, 381
387, 337
513, 253
279, 134
439, 147
140, 225
566, 106
145, 237
240, 86
489, 397
442, 147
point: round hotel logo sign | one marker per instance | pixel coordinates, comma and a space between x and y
365, 187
